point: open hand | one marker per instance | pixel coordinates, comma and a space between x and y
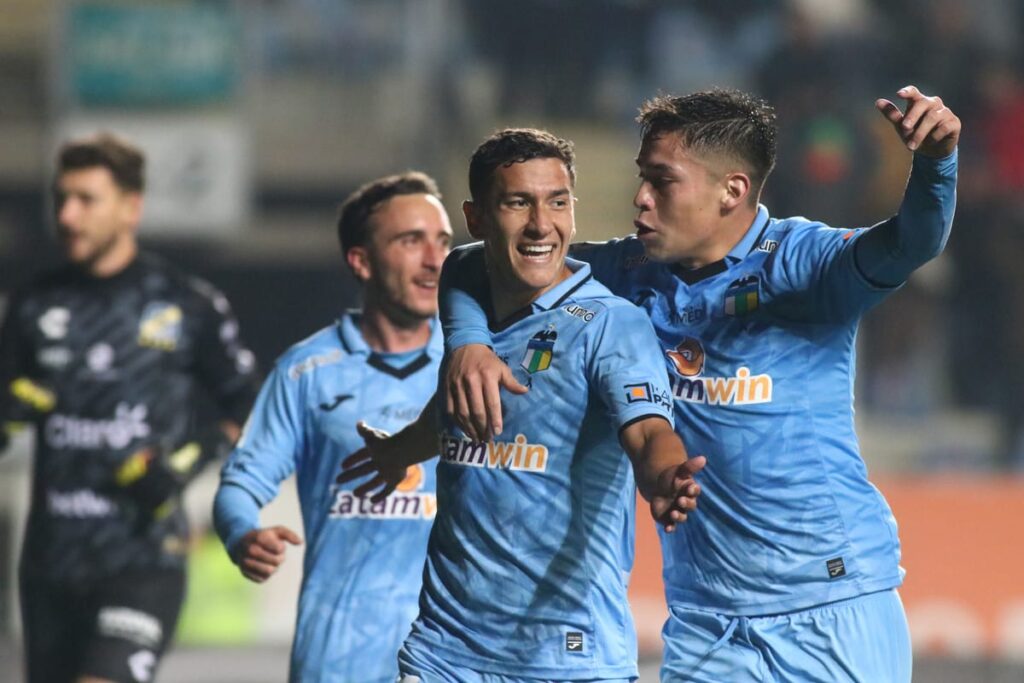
377, 460
473, 378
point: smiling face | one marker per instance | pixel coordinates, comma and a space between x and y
526, 220
400, 265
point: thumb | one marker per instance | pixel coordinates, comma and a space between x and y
693, 465
510, 383
286, 534
368, 432
889, 110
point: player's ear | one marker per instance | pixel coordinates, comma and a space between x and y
736, 190
131, 209
473, 225
358, 259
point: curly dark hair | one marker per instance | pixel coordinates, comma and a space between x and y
125, 161
719, 121
513, 146
355, 212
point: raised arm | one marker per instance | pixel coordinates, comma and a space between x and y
892, 250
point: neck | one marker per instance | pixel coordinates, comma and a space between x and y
728, 234
388, 334
507, 298
114, 260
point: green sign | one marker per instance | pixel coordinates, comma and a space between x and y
152, 54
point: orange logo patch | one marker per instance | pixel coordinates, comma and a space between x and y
688, 357
413, 479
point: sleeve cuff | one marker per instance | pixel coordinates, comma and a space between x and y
466, 337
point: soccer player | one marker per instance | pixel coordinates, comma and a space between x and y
104, 357
790, 571
528, 561
381, 363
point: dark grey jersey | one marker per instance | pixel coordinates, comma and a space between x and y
104, 368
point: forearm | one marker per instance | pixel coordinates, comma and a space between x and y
892, 250
235, 513
655, 451
654, 471
463, 318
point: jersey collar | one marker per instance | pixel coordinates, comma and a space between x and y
551, 298
750, 241
352, 337
752, 238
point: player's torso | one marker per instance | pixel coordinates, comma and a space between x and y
543, 513
345, 534
357, 601
787, 516
117, 356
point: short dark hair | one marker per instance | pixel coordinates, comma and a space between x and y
125, 161
355, 212
512, 146
718, 121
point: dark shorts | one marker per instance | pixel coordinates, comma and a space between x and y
115, 629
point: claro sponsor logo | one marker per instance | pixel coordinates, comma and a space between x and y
517, 455
127, 424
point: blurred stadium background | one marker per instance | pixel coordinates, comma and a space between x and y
259, 116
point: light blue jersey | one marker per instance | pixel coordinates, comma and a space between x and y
760, 348
531, 550
363, 562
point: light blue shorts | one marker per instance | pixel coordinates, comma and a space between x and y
863, 639
418, 666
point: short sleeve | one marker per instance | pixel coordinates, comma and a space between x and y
625, 366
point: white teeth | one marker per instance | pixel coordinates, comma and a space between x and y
537, 249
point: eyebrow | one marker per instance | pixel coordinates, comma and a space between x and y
529, 195
415, 231
654, 167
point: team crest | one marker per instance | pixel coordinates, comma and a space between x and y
539, 351
160, 326
741, 296
688, 357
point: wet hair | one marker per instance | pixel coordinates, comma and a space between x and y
513, 146
125, 161
718, 121
358, 207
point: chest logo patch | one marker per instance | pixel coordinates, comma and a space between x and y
539, 351
54, 323
160, 326
100, 357
413, 481
688, 357
741, 297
